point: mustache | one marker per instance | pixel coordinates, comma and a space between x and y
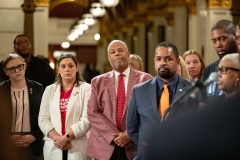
162, 67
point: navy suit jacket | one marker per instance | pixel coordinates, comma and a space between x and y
143, 110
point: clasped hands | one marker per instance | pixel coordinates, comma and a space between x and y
122, 139
22, 141
62, 142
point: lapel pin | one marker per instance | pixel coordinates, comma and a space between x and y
30, 90
180, 90
77, 92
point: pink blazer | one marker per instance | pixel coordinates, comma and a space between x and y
102, 111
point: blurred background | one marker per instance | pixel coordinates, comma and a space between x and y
86, 27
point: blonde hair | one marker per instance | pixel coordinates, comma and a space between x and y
189, 52
184, 70
135, 58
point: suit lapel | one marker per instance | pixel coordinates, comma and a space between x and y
132, 80
110, 83
153, 94
55, 106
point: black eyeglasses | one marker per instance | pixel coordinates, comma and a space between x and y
13, 69
223, 70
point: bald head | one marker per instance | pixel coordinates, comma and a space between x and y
118, 55
117, 41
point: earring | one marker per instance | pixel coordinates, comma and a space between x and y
236, 83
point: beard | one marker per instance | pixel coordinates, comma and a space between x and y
119, 66
165, 75
232, 49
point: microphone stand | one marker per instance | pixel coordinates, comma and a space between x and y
189, 94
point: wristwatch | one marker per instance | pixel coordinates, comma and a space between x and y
67, 135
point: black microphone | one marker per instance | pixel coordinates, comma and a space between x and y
213, 77
192, 92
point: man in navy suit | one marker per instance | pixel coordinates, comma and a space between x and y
144, 110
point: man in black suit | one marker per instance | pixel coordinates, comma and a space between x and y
37, 69
210, 133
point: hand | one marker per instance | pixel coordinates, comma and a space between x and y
29, 138
62, 142
122, 139
68, 146
19, 141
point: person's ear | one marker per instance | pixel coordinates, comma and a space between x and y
178, 61
5, 71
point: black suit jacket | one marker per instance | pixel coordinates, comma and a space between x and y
35, 96
210, 133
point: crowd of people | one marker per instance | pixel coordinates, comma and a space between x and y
126, 113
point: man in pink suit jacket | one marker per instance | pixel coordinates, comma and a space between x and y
107, 141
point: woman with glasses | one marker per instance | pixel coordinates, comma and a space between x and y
195, 64
229, 75
63, 113
22, 97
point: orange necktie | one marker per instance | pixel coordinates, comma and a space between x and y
164, 100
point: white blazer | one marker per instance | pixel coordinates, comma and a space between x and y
76, 118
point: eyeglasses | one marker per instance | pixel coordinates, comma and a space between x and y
23, 43
223, 70
13, 69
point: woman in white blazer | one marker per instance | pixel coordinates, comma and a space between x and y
63, 113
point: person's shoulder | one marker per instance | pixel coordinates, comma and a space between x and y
39, 61
103, 76
184, 81
213, 65
144, 84
34, 83
145, 74
52, 86
209, 69
85, 84
3, 83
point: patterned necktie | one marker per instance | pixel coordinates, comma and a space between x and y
120, 100
164, 100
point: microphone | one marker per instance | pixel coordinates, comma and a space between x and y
196, 88
213, 77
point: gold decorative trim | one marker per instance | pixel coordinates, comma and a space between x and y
41, 3
54, 3
191, 6
170, 16
219, 4
177, 3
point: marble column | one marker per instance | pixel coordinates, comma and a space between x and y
29, 8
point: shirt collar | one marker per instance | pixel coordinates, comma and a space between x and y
171, 83
126, 73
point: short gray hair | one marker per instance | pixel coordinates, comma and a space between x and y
234, 58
